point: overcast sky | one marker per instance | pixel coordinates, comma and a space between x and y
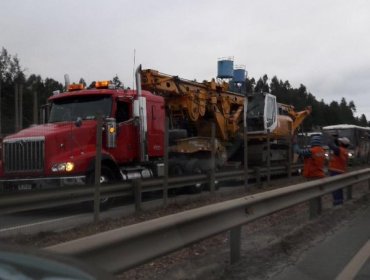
324, 44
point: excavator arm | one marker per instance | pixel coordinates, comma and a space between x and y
299, 117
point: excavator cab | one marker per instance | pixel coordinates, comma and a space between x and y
262, 113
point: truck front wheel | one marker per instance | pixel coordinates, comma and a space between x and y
106, 177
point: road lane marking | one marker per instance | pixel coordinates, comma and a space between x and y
39, 223
356, 263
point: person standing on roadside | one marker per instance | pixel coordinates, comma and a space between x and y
313, 158
338, 163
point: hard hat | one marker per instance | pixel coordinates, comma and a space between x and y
344, 141
315, 140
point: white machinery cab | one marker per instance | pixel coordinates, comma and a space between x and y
262, 113
270, 112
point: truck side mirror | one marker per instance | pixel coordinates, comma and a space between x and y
45, 112
111, 132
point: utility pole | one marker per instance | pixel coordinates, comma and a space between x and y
16, 108
20, 106
35, 107
0, 105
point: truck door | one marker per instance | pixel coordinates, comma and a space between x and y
156, 119
127, 149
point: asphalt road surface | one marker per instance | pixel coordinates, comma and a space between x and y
341, 256
66, 217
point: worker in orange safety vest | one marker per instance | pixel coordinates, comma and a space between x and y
338, 163
313, 158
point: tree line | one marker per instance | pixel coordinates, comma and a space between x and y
12, 75
14, 84
323, 114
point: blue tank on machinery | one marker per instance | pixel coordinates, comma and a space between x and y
239, 74
225, 68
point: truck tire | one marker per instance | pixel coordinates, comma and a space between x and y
176, 170
106, 177
193, 167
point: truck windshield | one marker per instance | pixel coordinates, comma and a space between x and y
85, 107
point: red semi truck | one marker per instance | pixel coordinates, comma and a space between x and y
62, 151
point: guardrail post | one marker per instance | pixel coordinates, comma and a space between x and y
245, 144
212, 176
349, 192
315, 207
268, 158
257, 172
235, 244
137, 193
99, 124
165, 178
289, 167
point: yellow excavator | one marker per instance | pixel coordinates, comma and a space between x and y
193, 106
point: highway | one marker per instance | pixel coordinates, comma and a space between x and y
335, 245
63, 218
67, 217
321, 260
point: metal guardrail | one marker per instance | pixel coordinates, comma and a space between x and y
123, 248
40, 199
31, 200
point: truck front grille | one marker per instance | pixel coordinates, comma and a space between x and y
24, 155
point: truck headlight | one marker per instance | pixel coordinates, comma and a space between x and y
64, 166
350, 154
69, 166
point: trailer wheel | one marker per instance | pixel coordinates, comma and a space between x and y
198, 187
106, 177
193, 167
176, 170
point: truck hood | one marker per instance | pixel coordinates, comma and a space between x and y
51, 129
63, 137
62, 142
